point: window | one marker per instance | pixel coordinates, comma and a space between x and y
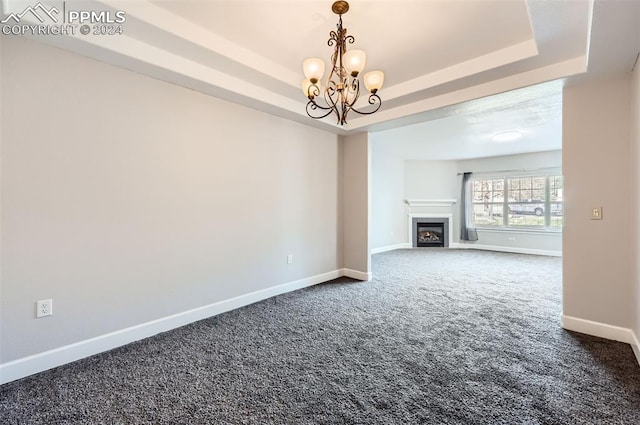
518, 201
488, 201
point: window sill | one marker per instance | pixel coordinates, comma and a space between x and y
554, 232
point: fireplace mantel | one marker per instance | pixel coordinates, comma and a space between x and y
430, 202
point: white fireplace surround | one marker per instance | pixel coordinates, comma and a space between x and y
442, 216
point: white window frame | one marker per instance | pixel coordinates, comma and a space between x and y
505, 226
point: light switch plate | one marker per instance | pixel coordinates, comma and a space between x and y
596, 213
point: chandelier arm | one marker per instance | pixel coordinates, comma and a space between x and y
355, 86
313, 91
345, 111
333, 38
374, 99
313, 106
329, 94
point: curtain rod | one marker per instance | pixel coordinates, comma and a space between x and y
518, 170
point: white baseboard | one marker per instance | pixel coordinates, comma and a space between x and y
390, 248
459, 245
636, 347
510, 249
598, 329
40, 362
355, 274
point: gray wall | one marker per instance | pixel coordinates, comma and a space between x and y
388, 210
430, 179
127, 199
356, 196
598, 262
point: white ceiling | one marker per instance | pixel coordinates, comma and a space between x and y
287, 32
436, 55
466, 130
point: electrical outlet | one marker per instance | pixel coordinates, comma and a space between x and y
44, 308
290, 259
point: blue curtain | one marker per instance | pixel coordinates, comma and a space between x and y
468, 231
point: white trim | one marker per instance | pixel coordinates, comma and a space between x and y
391, 248
410, 226
636, 347
355, 274
514, 250
598, 329
520, 231
430, 202
40, 362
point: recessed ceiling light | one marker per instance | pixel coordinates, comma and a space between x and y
506, 136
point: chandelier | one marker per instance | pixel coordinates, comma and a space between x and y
342, 88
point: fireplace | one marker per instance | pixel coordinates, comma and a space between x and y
430, 232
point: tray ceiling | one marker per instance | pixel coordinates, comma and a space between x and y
434, 53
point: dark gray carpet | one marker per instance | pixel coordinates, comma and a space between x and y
438, 337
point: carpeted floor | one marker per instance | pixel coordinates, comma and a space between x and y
438, 337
